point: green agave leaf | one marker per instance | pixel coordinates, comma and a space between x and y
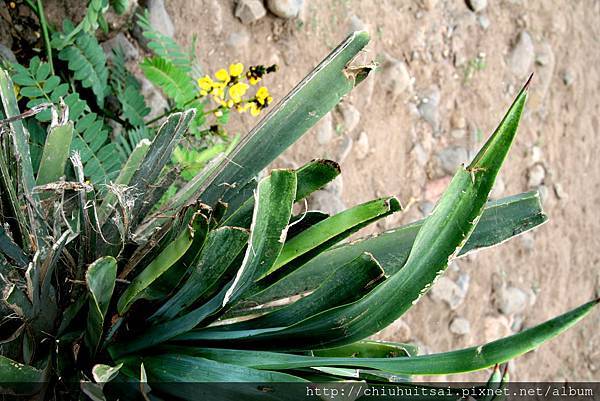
100, 279
8, 194
105, 373
274, 200
369, 349
190, 369
169, 256
346, 284
22, 155
12, 251
334, 229
179, 200
501, 220
222, 247
464, 360
133, 163
55, 154
165, 331
147, 174
310, 177
441, 237
19, 379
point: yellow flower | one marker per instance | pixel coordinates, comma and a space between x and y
218, 89
237, 91
262, 95
222, 75
254, 109
253, 80
205, 83
220, 101
237, 69
218, 113
242, 108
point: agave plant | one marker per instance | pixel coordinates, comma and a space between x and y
105, 292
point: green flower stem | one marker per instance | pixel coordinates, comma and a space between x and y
44, 25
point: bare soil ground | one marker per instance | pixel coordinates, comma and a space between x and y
440, 42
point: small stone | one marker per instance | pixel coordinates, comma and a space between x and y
446, 290
395, 78
560, 192
325, 129
356, 24
484, 22
429, 4
458, 133
238, 39
326, 201
285, 8
159, 17
451, 158
536, 154
120, 41
545, 62
517, 324
463, 281
362, 146
458, 121
350, 116
527, 242
536, 175
495, 327
249, 11
460, 326
511, 301
426, 208
7, 54
543, 191
428, 107
522, 55
477, 5
154, 99
344, 149
568, 77
420, 155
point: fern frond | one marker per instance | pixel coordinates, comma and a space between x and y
92, 142
127, 143
127, 90
94, 17
87, 61
134, 107
173, 81
118, 72
164, 46
37, 84
120, 6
